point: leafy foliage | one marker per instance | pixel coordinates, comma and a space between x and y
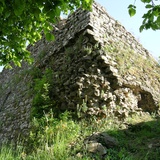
42, 87
132, 10
22, 22
151, 19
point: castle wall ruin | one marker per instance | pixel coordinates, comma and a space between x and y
95, 61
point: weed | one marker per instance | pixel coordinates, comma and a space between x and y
42, 87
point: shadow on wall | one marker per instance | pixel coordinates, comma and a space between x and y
147, 103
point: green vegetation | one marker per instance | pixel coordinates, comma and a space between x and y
42, 91
151, 19
62, 138
22, 22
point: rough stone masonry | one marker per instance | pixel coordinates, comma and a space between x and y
95, 61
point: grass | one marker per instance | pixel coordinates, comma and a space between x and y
62, 139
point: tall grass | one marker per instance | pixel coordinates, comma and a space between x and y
62, 139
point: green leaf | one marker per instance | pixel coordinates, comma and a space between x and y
145, 16
151, 18
154, 26
19, 7
158, 19
132, 11
1, 9
148, 25
144, 21
149, 6
156, 12
132, 6
141, 28
49, 37
146, 1
7, 14
37, 12
17, 63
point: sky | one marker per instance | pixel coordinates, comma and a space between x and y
118, 10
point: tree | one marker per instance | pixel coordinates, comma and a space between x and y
151, 19
22, 22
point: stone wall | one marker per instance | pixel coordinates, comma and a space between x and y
95, 63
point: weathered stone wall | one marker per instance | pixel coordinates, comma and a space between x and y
95, 62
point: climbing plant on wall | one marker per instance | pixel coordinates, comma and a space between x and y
42, 90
